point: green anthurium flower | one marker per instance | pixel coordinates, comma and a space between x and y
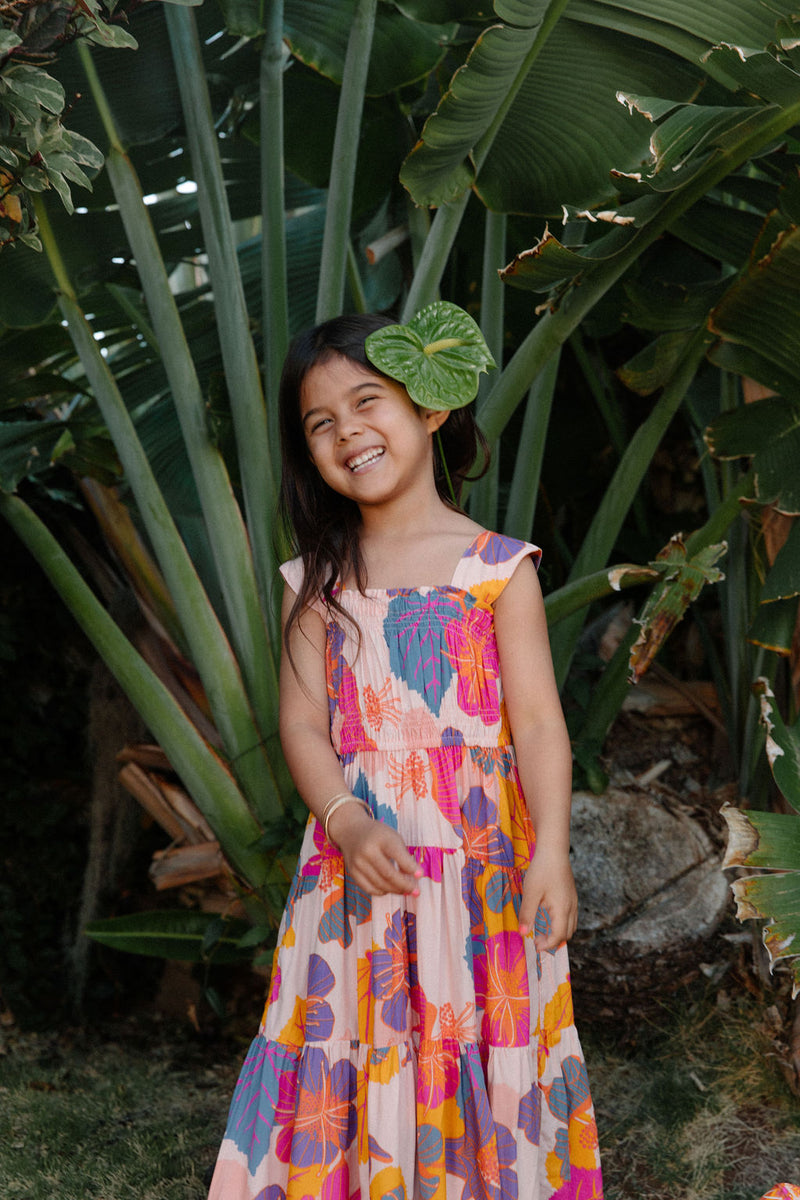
437, 356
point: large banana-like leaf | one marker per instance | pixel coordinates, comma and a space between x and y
541, 156
769, 432
182, 934
403, 51
771, 843
762, 312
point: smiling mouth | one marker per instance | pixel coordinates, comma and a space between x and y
363, 460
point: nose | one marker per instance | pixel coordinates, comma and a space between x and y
348, 426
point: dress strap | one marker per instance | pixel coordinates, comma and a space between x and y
489, 562
292, 572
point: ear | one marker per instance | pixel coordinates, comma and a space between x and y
435, 418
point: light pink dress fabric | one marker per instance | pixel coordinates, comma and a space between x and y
417, 1046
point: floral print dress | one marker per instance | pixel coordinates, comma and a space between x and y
417, 1047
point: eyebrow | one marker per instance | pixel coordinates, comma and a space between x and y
313, 412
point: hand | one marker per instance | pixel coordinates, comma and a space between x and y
375, 856
549, 884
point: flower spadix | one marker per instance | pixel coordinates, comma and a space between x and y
438, 356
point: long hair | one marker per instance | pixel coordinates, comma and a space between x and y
322, 525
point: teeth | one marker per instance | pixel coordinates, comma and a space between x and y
361, 460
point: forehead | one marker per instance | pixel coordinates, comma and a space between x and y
336, 377
341, 379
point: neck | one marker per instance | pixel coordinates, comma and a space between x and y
407, 516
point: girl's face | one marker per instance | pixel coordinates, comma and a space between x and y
365, 436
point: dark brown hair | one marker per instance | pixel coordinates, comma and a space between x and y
323, 526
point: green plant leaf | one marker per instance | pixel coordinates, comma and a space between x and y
403, 50
776, 898
762, 309
762, 839
661, 306
774, 625
179, 934
783, 581
768, 431
655, 365
438, 356
741, 22
26, 448
783, 746
771, 842
438, 12
36, 85
683, 578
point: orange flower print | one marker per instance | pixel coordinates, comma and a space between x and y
381, 706
408, 774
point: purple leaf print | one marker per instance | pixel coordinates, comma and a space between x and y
414, 632
507, 1156
273, 1192
483, 836
530, 1114
335, 642
377, 1152
390, 976
319, 1015
469, 1155
493, 548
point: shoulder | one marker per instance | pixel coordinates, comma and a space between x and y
490, 562
293, 573
500, 553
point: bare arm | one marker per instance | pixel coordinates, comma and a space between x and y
544, 756
374, 854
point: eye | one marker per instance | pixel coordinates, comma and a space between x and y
362, 400
320, 423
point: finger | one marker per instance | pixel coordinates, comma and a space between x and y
403, 860
559, 932
397, 880
382, 876
528, 922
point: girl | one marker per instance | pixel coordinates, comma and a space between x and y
418, 1039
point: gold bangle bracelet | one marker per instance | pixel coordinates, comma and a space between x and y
328, 805
336, 803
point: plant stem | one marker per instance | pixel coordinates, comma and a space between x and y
201, 771
201, 628
524, 491
484, 495
438, 244
336, 237
576, 595
259, 482
274, 284
619, 495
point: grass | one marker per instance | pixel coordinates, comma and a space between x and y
700, 1108
136, 1113
697, 1107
